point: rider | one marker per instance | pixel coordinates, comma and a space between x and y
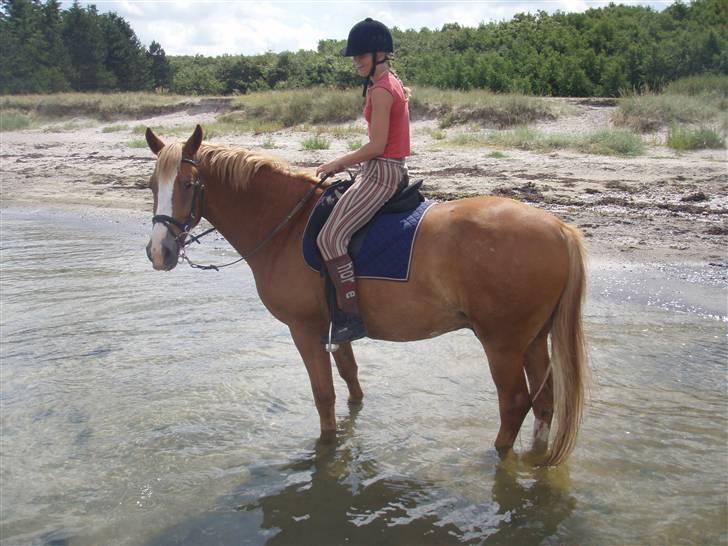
383, 165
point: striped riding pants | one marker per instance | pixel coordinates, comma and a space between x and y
376, 184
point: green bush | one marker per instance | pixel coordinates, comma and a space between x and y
114, 128
12, 120
604, 142
649, 112
701, 84
315, 142
685, 138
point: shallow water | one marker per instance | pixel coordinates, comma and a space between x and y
170, 408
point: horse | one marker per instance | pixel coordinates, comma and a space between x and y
510, 272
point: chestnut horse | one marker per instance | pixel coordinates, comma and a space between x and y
511, 273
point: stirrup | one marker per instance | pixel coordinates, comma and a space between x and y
349, 329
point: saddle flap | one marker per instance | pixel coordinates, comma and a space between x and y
382, 248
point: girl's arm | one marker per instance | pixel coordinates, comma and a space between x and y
382, 102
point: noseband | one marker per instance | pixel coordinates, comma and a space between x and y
192, 220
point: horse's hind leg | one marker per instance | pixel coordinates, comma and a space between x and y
537, 370
349, 372
513, 399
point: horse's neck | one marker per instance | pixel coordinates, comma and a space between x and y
247, 216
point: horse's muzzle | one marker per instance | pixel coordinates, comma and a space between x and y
169, 255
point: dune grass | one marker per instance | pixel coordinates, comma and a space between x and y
649, 112
695, 100
604, 142
13, 120
700, 85
485, 107
687, 138
115, 128
316, 142
137, 143
297, 106
101, 106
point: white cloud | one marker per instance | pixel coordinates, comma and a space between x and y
185, 27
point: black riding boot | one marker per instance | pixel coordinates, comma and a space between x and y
347, 324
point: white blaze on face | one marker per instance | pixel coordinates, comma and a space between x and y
165, 188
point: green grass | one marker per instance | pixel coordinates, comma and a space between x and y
497, 155
353, 145
605, 142
269, 144
137, 143
73, 125
315, 142
485, 107
115, 128
100, 106
685, 138
700, 85
13, 120
649, 112
294, 107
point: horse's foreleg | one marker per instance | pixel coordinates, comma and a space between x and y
513, 400
318, 366
349, 372
537, 370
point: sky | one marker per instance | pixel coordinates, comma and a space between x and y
188, 27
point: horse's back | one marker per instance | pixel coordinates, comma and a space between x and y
485, 259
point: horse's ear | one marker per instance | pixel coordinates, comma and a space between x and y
193, 143
154, 142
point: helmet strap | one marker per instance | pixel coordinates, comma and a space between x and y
368, 79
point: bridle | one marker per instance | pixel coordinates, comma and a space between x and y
193, 219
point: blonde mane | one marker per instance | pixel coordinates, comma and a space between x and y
233, 166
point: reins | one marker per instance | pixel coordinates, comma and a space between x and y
185, 238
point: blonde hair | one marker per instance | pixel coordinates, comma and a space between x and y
407, 91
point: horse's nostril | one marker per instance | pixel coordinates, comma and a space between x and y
149, 251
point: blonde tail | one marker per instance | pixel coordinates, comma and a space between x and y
568, 353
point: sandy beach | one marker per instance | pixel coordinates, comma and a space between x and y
662, 206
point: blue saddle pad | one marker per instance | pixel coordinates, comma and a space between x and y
382, 249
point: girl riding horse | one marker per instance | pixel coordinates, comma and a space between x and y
383, 158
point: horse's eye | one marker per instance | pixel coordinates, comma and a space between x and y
188, 184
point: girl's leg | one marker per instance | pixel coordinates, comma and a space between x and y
377, 184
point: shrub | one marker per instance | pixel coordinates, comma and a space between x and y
114, 128
685, 138
701, 84
649, 112
12, 120
604, 142
315, 142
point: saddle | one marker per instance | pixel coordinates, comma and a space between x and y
380, 249
407, 198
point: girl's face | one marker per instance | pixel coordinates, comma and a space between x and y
362, 64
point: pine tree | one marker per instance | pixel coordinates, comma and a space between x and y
160, 70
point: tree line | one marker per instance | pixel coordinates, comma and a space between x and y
602, 51
45, 49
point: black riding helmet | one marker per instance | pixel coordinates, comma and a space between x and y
369, 36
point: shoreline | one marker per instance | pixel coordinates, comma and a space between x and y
661, 207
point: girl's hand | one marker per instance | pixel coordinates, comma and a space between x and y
332, 167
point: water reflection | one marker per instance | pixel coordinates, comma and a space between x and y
338, 493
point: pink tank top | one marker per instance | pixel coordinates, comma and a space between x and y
398, 141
